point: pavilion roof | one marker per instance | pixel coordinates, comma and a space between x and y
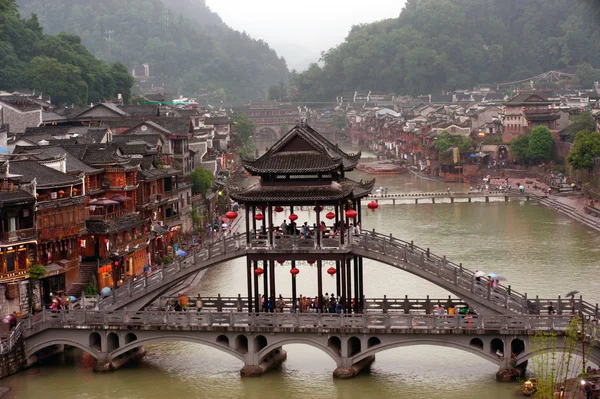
304, 194
302, 150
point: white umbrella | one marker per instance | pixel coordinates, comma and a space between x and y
479, 273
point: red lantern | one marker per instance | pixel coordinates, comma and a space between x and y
293, 217
332, 271
106, 240
351, 213
281, 261
259, 216
294, 271
311, 262
258, 271
373, 205
318, 208
231, 215
278, 209
330, 215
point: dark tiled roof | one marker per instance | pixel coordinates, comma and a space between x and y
69, 112
348, 189
294, 162
151, 139
312, 143
103, 156
135, 149
45, 176
178, 126
115, 225
524, 97
140, 110
22, 104
216, 120
51, 130
15, 197
42, 153
153, 174
123, 123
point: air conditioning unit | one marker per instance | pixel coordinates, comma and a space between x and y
53, 195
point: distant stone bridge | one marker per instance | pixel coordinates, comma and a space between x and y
257, 338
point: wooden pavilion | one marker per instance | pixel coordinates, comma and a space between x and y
303, 169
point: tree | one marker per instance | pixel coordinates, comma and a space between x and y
243, 132
540, 144
445, 141
61, 81
274, 93
585, 150
123, 81
519, 148
557, 361
202, 181
284, 128
340, 121
36, 272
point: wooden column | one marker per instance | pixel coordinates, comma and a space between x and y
294, 295
361, 289
250, 273
266, 283
247, 210
320, 284
318, 232
270, 214
356, 289
256, 293
341, 225
253, 219
272, 278
338, 278
343, 296
358, 209
349, 285
264, 221
293, 231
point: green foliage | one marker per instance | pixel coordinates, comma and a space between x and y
58, 66
277, 92
284, 128
167, 260
243, 130
187, 46
340, 121
438, 45
202, 181
519, 148
585, 150
36, 272
557, 359
540, 144
560, 169
90, 289
445, 141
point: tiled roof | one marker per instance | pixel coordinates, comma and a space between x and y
151, 139
103, 156
140, 110
122, 223
42, 153
311, 143
22, 104
45, 176
15, 197
153, 174
524, 97
217, 120
178, 126
294, 162
283, 194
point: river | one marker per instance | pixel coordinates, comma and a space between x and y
539, 251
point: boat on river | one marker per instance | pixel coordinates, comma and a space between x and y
529, 387
382, 168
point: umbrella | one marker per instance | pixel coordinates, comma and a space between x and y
572, 293
105, 291
224, 220
180, 252
479, 273
6, 319
72, 298
494, 276
120, 198
103, 201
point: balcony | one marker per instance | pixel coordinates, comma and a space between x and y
95, 215
16, 236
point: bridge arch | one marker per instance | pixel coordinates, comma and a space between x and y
176, 338
594, 356
453, 345
45, 344
271, 132
300, 341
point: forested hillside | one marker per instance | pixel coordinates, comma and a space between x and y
57, 66
188, 53
437, 45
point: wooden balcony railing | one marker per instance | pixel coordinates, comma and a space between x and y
17, 235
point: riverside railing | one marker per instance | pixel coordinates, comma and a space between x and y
291, 322
8, 344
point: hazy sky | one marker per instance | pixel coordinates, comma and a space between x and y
315, 25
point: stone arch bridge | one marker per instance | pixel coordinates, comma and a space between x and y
257, 339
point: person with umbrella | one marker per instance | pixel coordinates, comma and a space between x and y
572, 299
478, 275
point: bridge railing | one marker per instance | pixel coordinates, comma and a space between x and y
439, 266
289, 322
7, 345
372, 305
169, 273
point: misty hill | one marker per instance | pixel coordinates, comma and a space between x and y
437, 45
56, 66
190, 54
